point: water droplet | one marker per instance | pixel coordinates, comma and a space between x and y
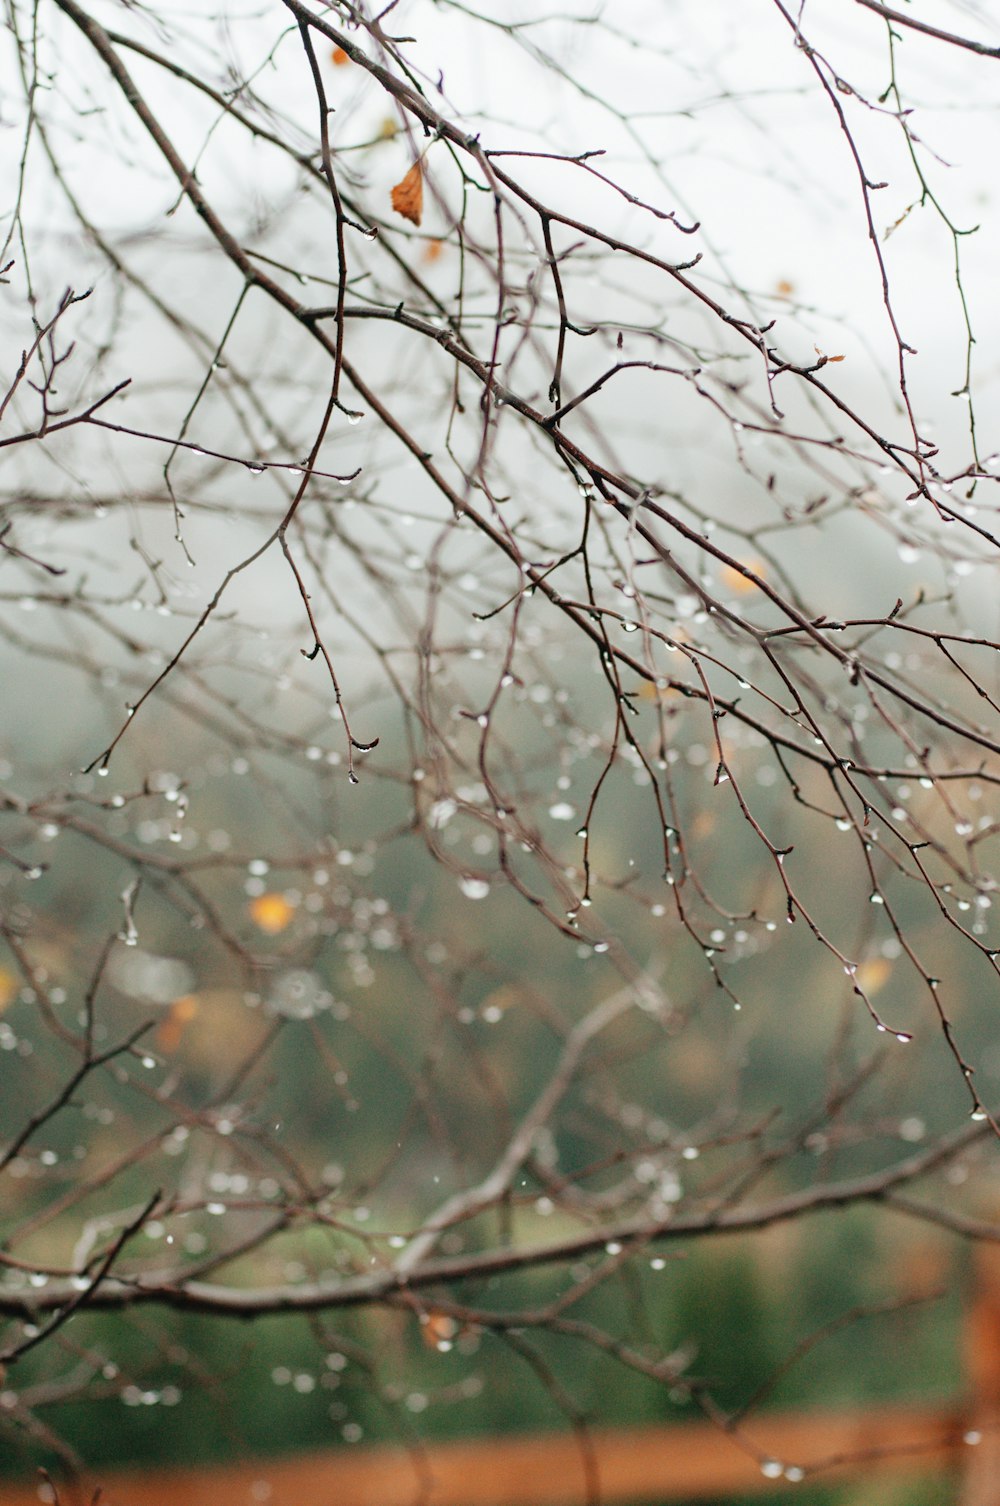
354, 418
794, 1474
875, 899
255, 468
561, 811
474, 888
843, 824
771, 1469
978, 1114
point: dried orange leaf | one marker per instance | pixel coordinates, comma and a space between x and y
433, 250
439, 1329
271, 913
339, 57
408, 195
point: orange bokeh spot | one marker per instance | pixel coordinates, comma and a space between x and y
271, 913
180, 1014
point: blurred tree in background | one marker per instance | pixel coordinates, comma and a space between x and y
499, 757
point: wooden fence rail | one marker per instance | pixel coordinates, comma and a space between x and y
690, 1461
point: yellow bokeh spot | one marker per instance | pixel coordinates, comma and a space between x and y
8, 988
655, 690
872, 974
271, 913
736, 581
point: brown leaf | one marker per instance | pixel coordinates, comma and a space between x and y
408, 195
438, 1330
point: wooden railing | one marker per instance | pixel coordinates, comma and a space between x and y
692, 1461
